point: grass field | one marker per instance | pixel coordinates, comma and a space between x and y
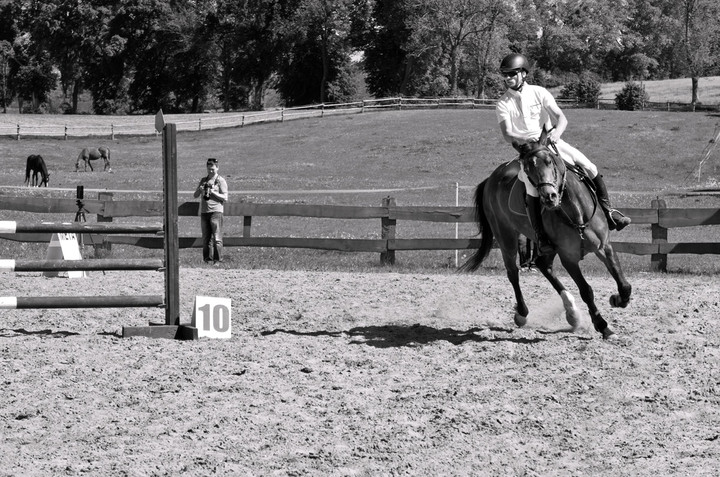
675, 90
418, 157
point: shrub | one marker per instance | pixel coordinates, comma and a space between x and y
632, 97
586, 89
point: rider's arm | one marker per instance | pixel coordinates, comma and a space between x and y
557, 117
507, 131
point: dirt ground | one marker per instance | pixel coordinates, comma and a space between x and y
363, 374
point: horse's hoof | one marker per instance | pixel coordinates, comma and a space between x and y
616, 301
520, 320
608, 334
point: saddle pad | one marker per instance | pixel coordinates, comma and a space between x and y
516, 198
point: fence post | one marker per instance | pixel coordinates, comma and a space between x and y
18, 132
658, 261
247, 223
388, 233
112, 132
104, 248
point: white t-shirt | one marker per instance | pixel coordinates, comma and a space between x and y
526, 110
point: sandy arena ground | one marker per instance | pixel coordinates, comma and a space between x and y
363, 374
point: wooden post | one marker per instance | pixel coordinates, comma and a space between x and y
172, 240
388, 233
247, 222
658, 261
104, 248
172, 327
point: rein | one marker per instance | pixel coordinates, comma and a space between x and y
561, 188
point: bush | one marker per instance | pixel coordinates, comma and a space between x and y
586, 89
632, 97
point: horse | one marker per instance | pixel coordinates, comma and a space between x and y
572, 220
93, 154
36, 165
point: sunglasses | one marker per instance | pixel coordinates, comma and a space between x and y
510, 74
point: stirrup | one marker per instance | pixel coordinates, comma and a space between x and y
618, 223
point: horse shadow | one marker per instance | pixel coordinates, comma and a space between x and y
5, 333
399, 336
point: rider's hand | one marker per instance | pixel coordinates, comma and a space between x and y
553, 136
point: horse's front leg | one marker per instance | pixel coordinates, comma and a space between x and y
610, 259
544, 263
521, 309
588, 296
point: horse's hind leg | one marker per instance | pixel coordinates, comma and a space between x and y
610, 259
513, 273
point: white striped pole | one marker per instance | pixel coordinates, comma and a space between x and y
42, 302
11, 265
13, 227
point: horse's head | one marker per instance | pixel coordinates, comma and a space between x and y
46, 179
544, 168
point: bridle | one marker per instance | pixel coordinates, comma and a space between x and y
557, 162
559, 185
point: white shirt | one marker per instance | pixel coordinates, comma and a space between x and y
526, 110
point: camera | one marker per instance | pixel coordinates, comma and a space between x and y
207, 188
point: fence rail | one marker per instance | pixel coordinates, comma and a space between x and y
146, 125
657, 216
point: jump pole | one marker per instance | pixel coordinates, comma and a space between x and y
172, 327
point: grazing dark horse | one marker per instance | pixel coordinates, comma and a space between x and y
93, 154
36, 165
572, 218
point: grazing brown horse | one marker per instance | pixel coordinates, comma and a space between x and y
35, 165
572, 219
93, 154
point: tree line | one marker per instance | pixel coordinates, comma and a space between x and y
137, 56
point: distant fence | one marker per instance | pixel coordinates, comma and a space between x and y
146, 124
657, 216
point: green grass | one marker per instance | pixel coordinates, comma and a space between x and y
422, 153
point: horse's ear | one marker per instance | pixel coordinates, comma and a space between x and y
543, 136
517, 146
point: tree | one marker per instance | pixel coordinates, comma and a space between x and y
316, 65
252, 36
387, 64
6, 54
449, 25
68, 31
699, 38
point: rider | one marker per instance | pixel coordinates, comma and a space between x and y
522, 112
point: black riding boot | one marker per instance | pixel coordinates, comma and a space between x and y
616, 219
534, 213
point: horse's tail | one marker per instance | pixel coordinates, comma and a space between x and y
486, 241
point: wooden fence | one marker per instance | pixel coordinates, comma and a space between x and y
387, 214
145, 125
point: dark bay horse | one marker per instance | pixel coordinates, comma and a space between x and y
35, 165
572, 218
93, 154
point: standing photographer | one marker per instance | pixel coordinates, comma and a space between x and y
213, 191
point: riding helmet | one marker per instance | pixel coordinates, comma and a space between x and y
514, 61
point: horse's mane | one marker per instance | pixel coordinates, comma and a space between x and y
530, 148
